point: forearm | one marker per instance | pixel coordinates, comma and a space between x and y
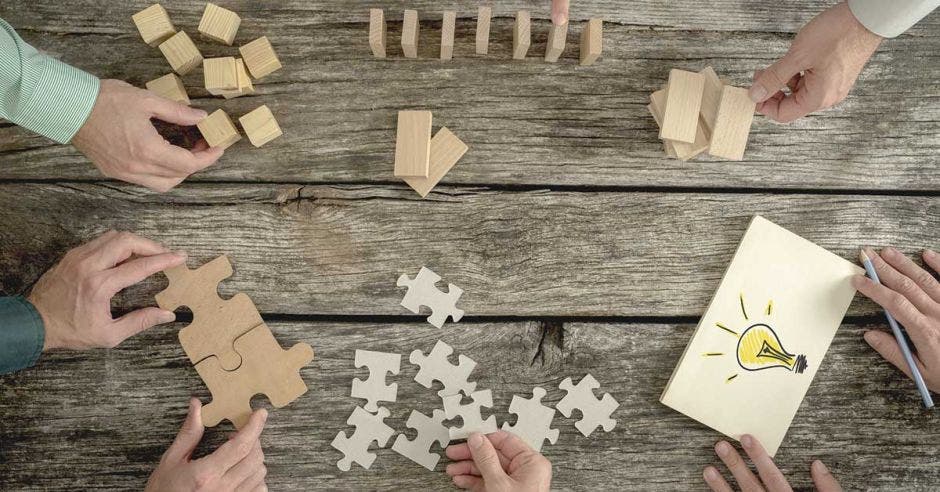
41, 93
890, 18
22, 334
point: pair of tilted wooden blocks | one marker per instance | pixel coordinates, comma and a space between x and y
422, 161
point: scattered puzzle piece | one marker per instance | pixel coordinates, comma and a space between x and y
470, 414
369, 428
435, 366
533, 420
374, 389
430, 429
423, 292
594, 412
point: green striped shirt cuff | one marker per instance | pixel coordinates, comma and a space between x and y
61, 102
22, 334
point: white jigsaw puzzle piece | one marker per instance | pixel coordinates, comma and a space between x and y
423, 292
430, 429
374, 389
533, 420
355, 448
436, 366
594, 412
470, 414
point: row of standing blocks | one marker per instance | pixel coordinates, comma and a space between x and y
591, 36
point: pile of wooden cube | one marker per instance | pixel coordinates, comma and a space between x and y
698, 112
224, 76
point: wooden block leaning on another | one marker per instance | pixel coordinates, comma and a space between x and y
154, 24
521, 35
413, 144
169, 86
260, 126
555, 45
377, 32
219, 24
681, 150
409, 34
260, 58
218, 130
446, 150
181, 53
684, 100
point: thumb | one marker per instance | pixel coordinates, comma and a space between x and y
823, 479
176, 113
485, 457
137, 321
774, 78
189, 436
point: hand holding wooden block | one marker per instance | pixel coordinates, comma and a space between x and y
182, 54
732, 123
377, 32
154, 24
483, 30
260, 57
219, 24
218, 130
683, 102
220, 74
413, 144
592, 39
521, 35
557, 35
448, 26
169, 86
409, 34
260, 126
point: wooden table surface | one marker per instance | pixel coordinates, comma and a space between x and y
579, 246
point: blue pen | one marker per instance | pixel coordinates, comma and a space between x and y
899, 336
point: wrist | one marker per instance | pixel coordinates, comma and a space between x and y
50, 342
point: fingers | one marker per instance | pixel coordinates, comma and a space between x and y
184, 162
823, 479
468, 482
888, 348
119, 246
255, 482
137, 321
486, 458
715, 481
461, 452
465, 467
787, 108
509, 445
246, 469
769, 473
136, 270
932, 259
559, 12
239, 446
924, 286
773, 78
738, 468
174, 112
900, 308
189, 435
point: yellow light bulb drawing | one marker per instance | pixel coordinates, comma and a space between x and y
759, 348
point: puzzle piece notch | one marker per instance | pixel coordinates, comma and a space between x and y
430, 429
594, 412
436, 366
374, 389
266, 369
355, 448
423, 292
470, 414
533, 420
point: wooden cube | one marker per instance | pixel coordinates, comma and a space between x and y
413, 144
221, 74
244, 82
555, 45
169, 86
260, 57
182, 54
377, 32
448, 27
592, 39
409, 34
154, 24
218, 130
219, 24
260, 126
483, 30
521, 35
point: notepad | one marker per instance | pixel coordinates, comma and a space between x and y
764, 335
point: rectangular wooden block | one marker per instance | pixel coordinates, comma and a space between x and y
244, 82
260, 126
377, 32
683, 150
260, 58
154, 24
220, 74
446, 150
668, 147
732, 123
169, 86
521, 35
181, 53
555, 45
711, 95
413, 144
683, 102
483, 30
218, 130
219, 24
592, 40
448, 26
409, 34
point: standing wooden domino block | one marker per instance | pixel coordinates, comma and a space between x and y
218, 130
448, 26
154, 24
409, 34
521, 35
260, 126
711, 95
592, 40
260, 57
220, 74
483, 30
446, 150
682, 150
219, 24
377, 32
732, 123
244, 82
182, 54
169, 86
683, 102
557, 35
413, 144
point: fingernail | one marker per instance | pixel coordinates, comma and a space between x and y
929, 254
820, 467
757, 93
870, 337
747, 441
560, 19
475, 440
722, 448
166, 316
711, 474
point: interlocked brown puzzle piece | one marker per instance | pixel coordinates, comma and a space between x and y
266, 369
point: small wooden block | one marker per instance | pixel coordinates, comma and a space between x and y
220, 74
377, 32
667, 144
260, 57
448, 26
592, 40
413, 144
483, 30
521, 35
219, 24
244, 82
683, 151
260, 126
446, 150
182, 54
154, 24
680, 115
557, 35
711, 95
169, 86
409, 34
732, 123
218, 130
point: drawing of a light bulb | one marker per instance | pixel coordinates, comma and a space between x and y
759, 348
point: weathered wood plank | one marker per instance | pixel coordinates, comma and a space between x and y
338, 250
102, 419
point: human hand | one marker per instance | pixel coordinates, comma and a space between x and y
74, 296
820, 69
120, 140
912, 295
237, 465
498, 462
559, 12
771, 479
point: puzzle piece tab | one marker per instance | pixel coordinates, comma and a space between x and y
534, 420
470, 414
374, 389
430, 429
436, 366
355, 448
423, 292
594, 412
